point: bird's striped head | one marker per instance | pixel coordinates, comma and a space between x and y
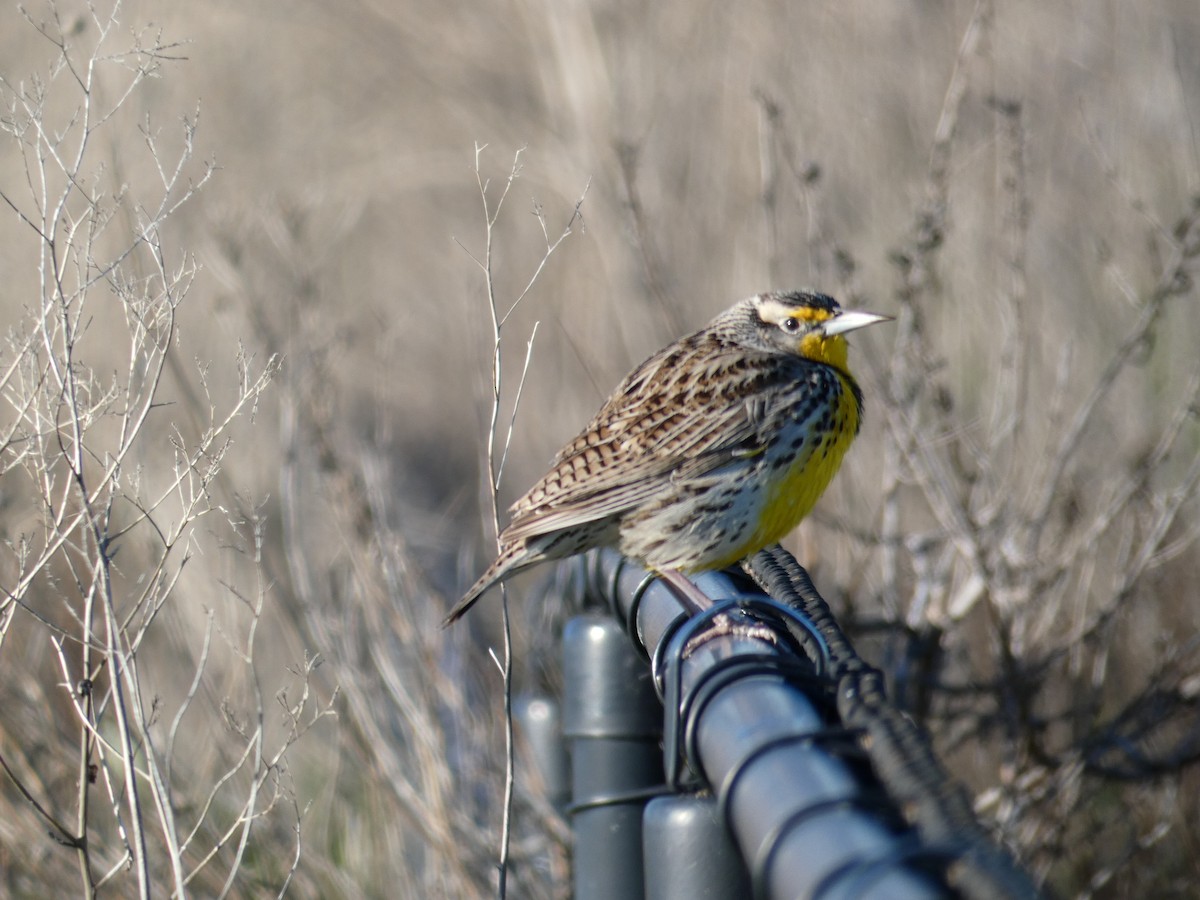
802, 323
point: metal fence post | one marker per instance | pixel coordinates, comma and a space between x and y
689, 853
540, 718
612, 721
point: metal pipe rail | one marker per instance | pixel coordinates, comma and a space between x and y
750, 691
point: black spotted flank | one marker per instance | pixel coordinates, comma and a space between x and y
805, 409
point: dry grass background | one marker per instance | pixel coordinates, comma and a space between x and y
1020, 185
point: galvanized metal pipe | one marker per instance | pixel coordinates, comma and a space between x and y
799, 815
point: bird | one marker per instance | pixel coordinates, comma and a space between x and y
713, 448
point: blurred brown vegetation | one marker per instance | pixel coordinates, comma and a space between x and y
1013, 537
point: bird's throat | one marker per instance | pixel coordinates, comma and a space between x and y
829, 350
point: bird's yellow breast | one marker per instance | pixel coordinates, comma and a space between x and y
790, 495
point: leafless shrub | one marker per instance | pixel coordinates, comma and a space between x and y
104, 694
425, 723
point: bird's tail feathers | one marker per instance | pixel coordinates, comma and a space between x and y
496, 572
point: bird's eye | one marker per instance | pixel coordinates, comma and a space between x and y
791, 325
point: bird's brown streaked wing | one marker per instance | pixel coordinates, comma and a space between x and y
627, 409
601, 451
570, 509
655, 409
629, 452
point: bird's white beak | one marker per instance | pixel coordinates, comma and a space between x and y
851, 320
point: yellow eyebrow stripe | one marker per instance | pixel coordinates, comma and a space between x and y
809, 314
775, 312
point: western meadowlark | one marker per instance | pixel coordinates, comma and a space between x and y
715, 447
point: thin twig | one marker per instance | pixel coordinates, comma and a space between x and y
497, 451
516, 404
